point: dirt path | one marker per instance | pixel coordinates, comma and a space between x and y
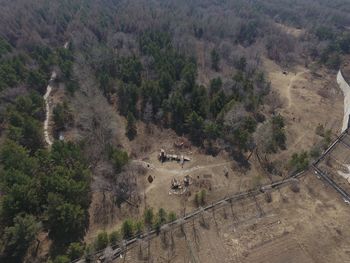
180, 171
47, 107
290, 86
48, 140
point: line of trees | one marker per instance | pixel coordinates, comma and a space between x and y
159, 85
41, 190
129, 228
47, 189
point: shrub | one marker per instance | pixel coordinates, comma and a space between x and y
295, 187
315, 152
119, 158
299, 162
162, 216
139, 226
101, 241
320, 130
75, 250
128, 229
172, 217
200, 198
114, 237
148, 217
61, 259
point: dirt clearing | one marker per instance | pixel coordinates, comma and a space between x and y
308, 99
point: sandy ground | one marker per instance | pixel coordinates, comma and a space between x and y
306, 227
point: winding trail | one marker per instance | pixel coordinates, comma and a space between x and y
47, 106
289, 88
48, 140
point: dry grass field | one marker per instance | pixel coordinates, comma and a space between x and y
307, 100
306, 226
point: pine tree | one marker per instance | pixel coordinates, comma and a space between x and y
131, 130
215, 60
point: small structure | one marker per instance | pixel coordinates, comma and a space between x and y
163, 156
179, 187
175, 184
187, 180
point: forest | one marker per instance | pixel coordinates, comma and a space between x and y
143, 56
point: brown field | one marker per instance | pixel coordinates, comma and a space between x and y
308, 226
307, 100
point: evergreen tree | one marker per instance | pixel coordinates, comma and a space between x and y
148, 217
131, 130
215, 86
127, 229
215, 60
17, 238
101, 241
195, 127
114, 238
172, 217
75, 250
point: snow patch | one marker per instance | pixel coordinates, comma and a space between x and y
344, 86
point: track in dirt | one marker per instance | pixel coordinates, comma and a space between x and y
289, 88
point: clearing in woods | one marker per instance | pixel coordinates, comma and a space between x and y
307, 100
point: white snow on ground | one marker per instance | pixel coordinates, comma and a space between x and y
344, 86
